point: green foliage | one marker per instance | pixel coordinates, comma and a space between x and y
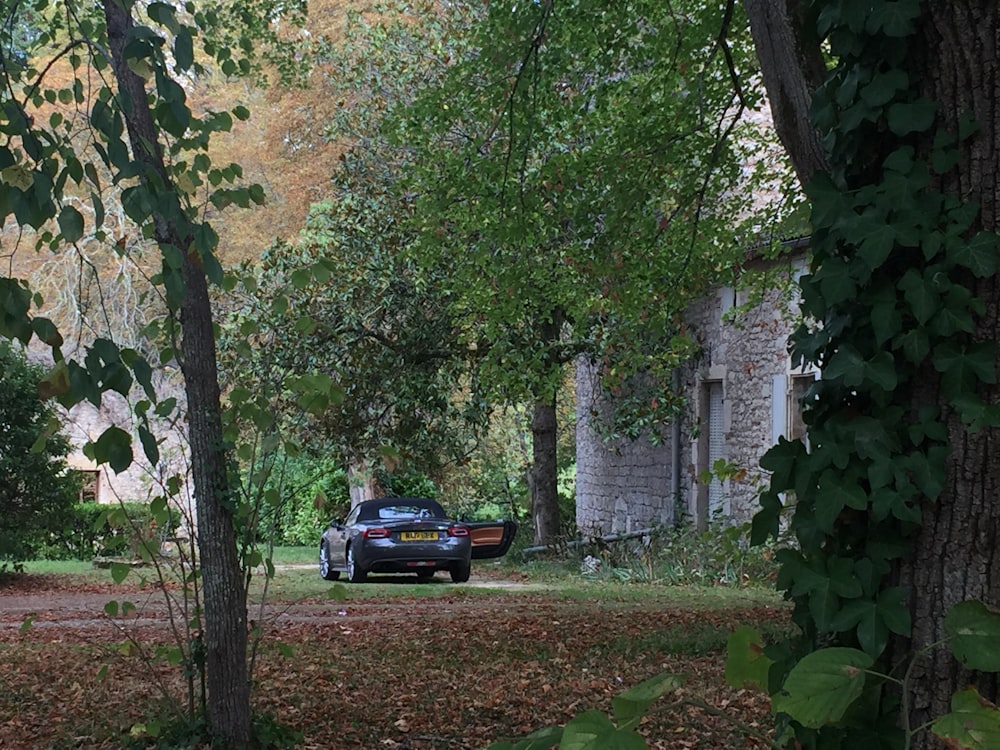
575, 189
183, 733
102, 116
301, 495
833, 687
593, 730
717, 556
36, 489
90, 530
407, 484
344, 302
890, 314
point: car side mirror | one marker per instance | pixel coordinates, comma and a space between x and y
336, 522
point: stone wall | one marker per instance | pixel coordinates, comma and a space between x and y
141, 481
744, 367
622, 485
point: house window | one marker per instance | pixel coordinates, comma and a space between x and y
90, 483
711, 499
796, 424
787, 395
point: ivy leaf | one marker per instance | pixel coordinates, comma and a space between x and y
847, 365
892, 607
873, 635
886, 321
765, 522
835, 281
630, 707
822, 686
962, 366
975, 635
780, 460
911, 117
881, 370
877, 244
746, 663
920, 294
914, 344
883, 87
894, 19
973, 724
833, 495
981, 254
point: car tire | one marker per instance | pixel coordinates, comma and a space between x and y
460, 571
425, 575
355, 573
326, 571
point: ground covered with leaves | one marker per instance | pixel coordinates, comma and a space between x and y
454, 670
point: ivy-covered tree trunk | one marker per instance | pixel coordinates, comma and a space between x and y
905, 282
956, 556
225, 635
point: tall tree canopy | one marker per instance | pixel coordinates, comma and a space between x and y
896, 511
345, 297
580, 169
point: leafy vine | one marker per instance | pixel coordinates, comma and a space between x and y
888, 310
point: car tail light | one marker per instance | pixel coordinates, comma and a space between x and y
458, 531
376, 533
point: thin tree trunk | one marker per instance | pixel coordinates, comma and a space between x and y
544, 451
544, 487
225, 615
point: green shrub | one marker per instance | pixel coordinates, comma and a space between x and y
92, 530
407, 483
719, 555
302, 494
35, 488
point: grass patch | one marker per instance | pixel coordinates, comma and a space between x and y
295, 555
60, 567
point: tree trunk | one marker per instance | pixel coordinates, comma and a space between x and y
956, 556
792, 69
225, 637
544, 485
225, 614
360, 482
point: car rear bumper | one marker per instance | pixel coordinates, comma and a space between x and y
393, 557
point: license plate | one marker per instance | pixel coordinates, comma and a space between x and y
418, 536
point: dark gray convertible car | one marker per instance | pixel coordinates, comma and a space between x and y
408, 535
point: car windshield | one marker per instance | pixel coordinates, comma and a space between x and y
392, 512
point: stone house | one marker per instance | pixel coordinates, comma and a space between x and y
742, 393
141, 481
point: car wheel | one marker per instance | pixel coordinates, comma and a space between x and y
425, 574
355, 573
325, 569
460, 572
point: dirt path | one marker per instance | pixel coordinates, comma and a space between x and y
55, 602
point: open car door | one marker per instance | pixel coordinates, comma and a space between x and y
491, 538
